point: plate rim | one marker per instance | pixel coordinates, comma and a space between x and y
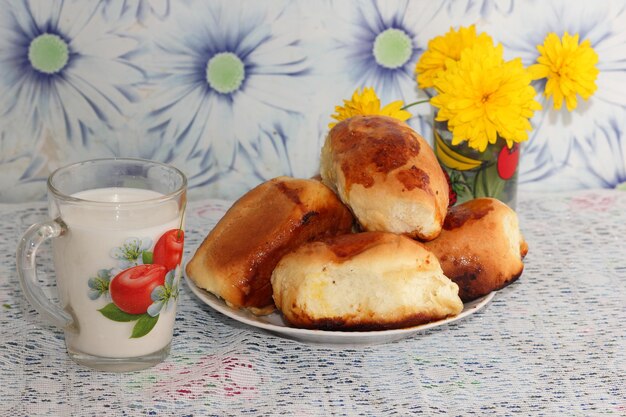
220, 306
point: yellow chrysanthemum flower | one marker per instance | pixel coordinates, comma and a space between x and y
367, 103
569, 67
482, 97
442, 48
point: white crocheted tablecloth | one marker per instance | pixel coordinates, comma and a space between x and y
552, 344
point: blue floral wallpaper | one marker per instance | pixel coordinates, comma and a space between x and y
235, 92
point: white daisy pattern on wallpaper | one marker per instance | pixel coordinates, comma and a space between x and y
221, 69
284, 147
267, 157
141, 10
378, 42
484, 8
53, 56
537, 164
597, 161
19, 164
555, 131
235, 92
271, 148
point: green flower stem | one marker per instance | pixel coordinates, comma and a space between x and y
182, 219
415, 103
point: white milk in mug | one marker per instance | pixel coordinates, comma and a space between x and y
116, 226
122, 301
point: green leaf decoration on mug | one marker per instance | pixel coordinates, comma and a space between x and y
143, 326
145, 322
113, 312
146, 257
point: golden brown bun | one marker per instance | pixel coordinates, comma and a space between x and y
387, 174
237, 258
363, 281
480, 247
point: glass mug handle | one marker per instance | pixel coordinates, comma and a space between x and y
27, 271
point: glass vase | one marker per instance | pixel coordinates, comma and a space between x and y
490, 173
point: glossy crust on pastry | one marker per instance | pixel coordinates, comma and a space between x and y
236, 259
363, 281
387, 174
480, 247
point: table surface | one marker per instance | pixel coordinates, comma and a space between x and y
552, 344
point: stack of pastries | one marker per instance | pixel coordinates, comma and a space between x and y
373, 245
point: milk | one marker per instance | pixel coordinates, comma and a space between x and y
92, 233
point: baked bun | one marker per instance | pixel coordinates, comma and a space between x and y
480, 247
363, 281
387, 174
236, 260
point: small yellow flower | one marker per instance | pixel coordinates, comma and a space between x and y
442, 48
569, 67
367, 103
482, 97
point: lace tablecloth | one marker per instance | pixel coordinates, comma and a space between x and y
552, 344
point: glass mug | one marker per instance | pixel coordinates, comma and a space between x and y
117, 242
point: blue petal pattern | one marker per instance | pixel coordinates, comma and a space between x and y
163, 295
352, 31
200, 126
65, 112
141, 10
138, 82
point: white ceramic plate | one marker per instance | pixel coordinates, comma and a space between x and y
274, 323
